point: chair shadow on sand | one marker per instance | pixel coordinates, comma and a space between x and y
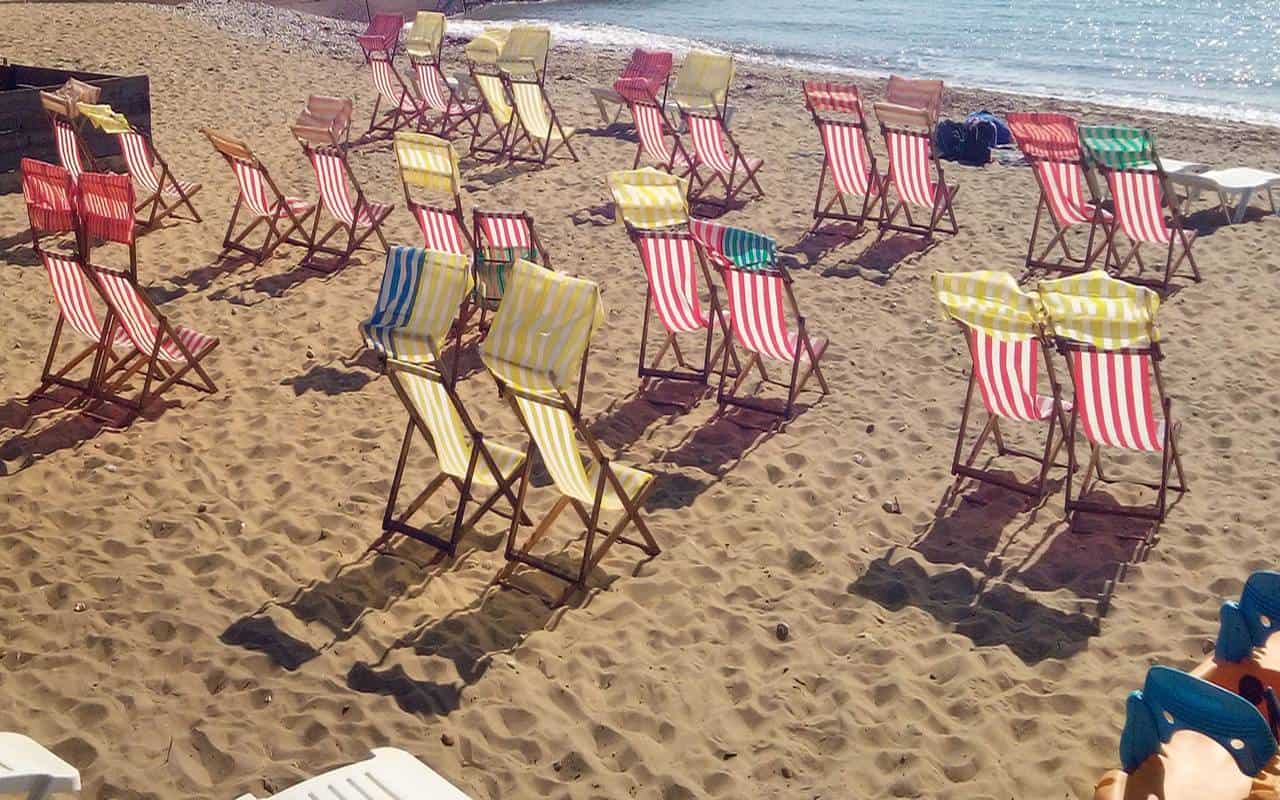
17, 249
43, 427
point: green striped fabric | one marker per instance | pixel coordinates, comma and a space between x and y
1118, 146
747, 249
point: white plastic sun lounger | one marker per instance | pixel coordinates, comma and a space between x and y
388, 774
28, 768
1235, 187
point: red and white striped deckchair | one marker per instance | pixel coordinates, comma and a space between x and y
259, 196
1007, 345
67, 139
358, 219
50, 195
452, 112
1106, 329
921, 93
431, 163
382, 36
402, 107
1051, 142
653, 129
104, 206
501, 239
759, 296
651, 67
731, 168
168, 351
672, 265
837, 111
908, 137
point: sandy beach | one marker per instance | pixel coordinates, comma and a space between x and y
185, 607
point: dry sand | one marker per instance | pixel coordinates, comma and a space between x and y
186, 613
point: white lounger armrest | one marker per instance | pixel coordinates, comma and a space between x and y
389, 772
28, 768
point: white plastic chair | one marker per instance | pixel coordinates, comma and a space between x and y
389, 774
28, 768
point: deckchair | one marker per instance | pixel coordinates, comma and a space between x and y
495, 107
65, 121
703, 81
424, 48
846, 157
430, 163
915, 93
169, 351
539, 133
651, 67
104, 207
733, 170
28, 768
382, 36
525, 49
403, 109
653, 129
759, 297
1107, 330
49, 192
425, 38
261, 199
163, 193
539, 340
501, 239
649, 200
908, 137
357, 220
388, 773
422, 295
334, 113
1051, 143
1141, 195
1004, 329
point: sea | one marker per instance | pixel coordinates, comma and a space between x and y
1216, 58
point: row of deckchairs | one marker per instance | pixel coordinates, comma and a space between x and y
851, 188
132, 337
535, 351
1066, 159
675, 249
1106, 331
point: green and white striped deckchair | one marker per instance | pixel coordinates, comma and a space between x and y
539, 339
422, 292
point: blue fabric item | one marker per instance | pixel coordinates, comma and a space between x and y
1250, 622
1172, 700
400, 278
1002, 134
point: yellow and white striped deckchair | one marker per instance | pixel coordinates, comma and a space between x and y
702, 83
495, 106
431, 164
425, 36
1004, 329
646, 199
526, 48
485, 47
419, 301
1099, 310
540, 128
539, 339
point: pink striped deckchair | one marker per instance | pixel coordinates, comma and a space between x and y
50, 195
653, 130
452, 112
921, 93
334, 113
1051, 142
402, 109
759, 295
652, 68
262, 200
1106, 329
357, 220
908, 137
837, 111
1004, 329
169, 351
501, 239
72, 152
104, 206
382, 36
733, 170
672, 263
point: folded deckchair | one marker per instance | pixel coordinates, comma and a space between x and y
846, 157
915, 93
525, 49
651, 67
1234, 188
356, 219
539, 133
759, 296
64, 117
431, 164
163, 193
908, 137
653, 129
649, 200
538, 341
702, 83
261, 199
422, 296
501, 239
333, 113
402, 109
382, 36
389, 773
734, 171
104, 207
28, 768
1141, 194
426, 36
1004, 329
1051, 143
1106, 328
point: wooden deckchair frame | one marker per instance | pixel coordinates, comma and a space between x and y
159, 207
754, 361
541, 149
593, 552
731, 184
877, 183
943, 196
964, 467
309, 139
501, 131
1170, 455
392, 119
233, 150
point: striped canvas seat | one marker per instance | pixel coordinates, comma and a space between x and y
652, 128
453, 447
67, 142
335, 192
49, 193
430, 163
913, 164
646, 199
396, 106
142, 326
391, 87
1006, 372
501, 239
494, 94
757, 315
74, 296
648, 71
727, 246
251, 179
382, 36
837, 112
541, 134
729, 167
105, 206
356, 219
496, 108
438, 96
1139, 206
1113, 392
703, 81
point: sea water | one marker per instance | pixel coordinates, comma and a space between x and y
1218, 58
